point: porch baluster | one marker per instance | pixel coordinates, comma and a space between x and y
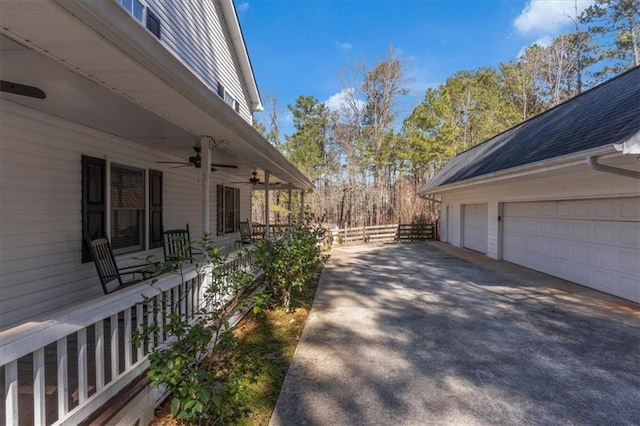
115, 353
183, 301
127, 339
139, 320
11, 389
39, 413
63, 378
83, 368
99, 326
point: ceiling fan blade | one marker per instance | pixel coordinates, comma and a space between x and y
173, 162
228, 166
183, 165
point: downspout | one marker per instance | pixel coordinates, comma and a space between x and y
592, 162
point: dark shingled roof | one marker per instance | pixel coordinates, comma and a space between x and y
607, 114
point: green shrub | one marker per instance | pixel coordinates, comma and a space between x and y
289, 262
180, 364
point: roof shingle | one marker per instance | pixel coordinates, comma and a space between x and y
607, 114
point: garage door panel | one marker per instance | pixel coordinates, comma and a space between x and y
607, 232
630, 209
607, 257
547, 228
581, 273
548, 210
581, 209
582, 253
605, 209
629, 261
591, 242
562, 250
630, 287
630, 233
583, 231
563, 229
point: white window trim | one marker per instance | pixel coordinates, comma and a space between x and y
147, 207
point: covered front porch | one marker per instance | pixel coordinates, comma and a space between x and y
116, 95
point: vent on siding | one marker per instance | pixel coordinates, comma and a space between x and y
220, 90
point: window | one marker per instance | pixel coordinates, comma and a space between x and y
228, 210
127, 209
153, 24
137, 9
230, 100
128, 213
134, 7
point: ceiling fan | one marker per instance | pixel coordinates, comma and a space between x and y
196, 161
253, 180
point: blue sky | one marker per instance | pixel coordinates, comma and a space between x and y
298, 47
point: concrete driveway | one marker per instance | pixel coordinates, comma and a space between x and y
427, 334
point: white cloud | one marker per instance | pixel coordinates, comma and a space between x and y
338, 101
544, 41
548, 16
343, 45
243, 7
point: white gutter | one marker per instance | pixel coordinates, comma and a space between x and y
592, 161
569, 160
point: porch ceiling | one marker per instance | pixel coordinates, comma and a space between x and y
100, 67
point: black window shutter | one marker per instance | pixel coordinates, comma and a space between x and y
237, 210
220, 210
153, 24
93, 201
155, 204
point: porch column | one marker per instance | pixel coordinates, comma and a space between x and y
302, 205
289, 207
205, 150
266, 204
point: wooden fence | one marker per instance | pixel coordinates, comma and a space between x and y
386, 233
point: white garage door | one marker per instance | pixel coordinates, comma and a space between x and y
595, 243
474, 231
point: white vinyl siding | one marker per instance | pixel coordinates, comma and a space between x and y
595, 243
196, 33
41, 266
474, 232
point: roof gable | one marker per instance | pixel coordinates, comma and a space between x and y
607, 114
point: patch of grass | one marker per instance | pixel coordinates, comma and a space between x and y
265, 349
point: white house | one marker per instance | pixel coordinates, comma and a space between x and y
100, 102
558, 193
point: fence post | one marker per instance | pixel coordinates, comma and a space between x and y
364, 234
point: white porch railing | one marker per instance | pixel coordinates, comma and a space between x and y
61, 370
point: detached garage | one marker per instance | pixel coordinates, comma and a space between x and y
559, 193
